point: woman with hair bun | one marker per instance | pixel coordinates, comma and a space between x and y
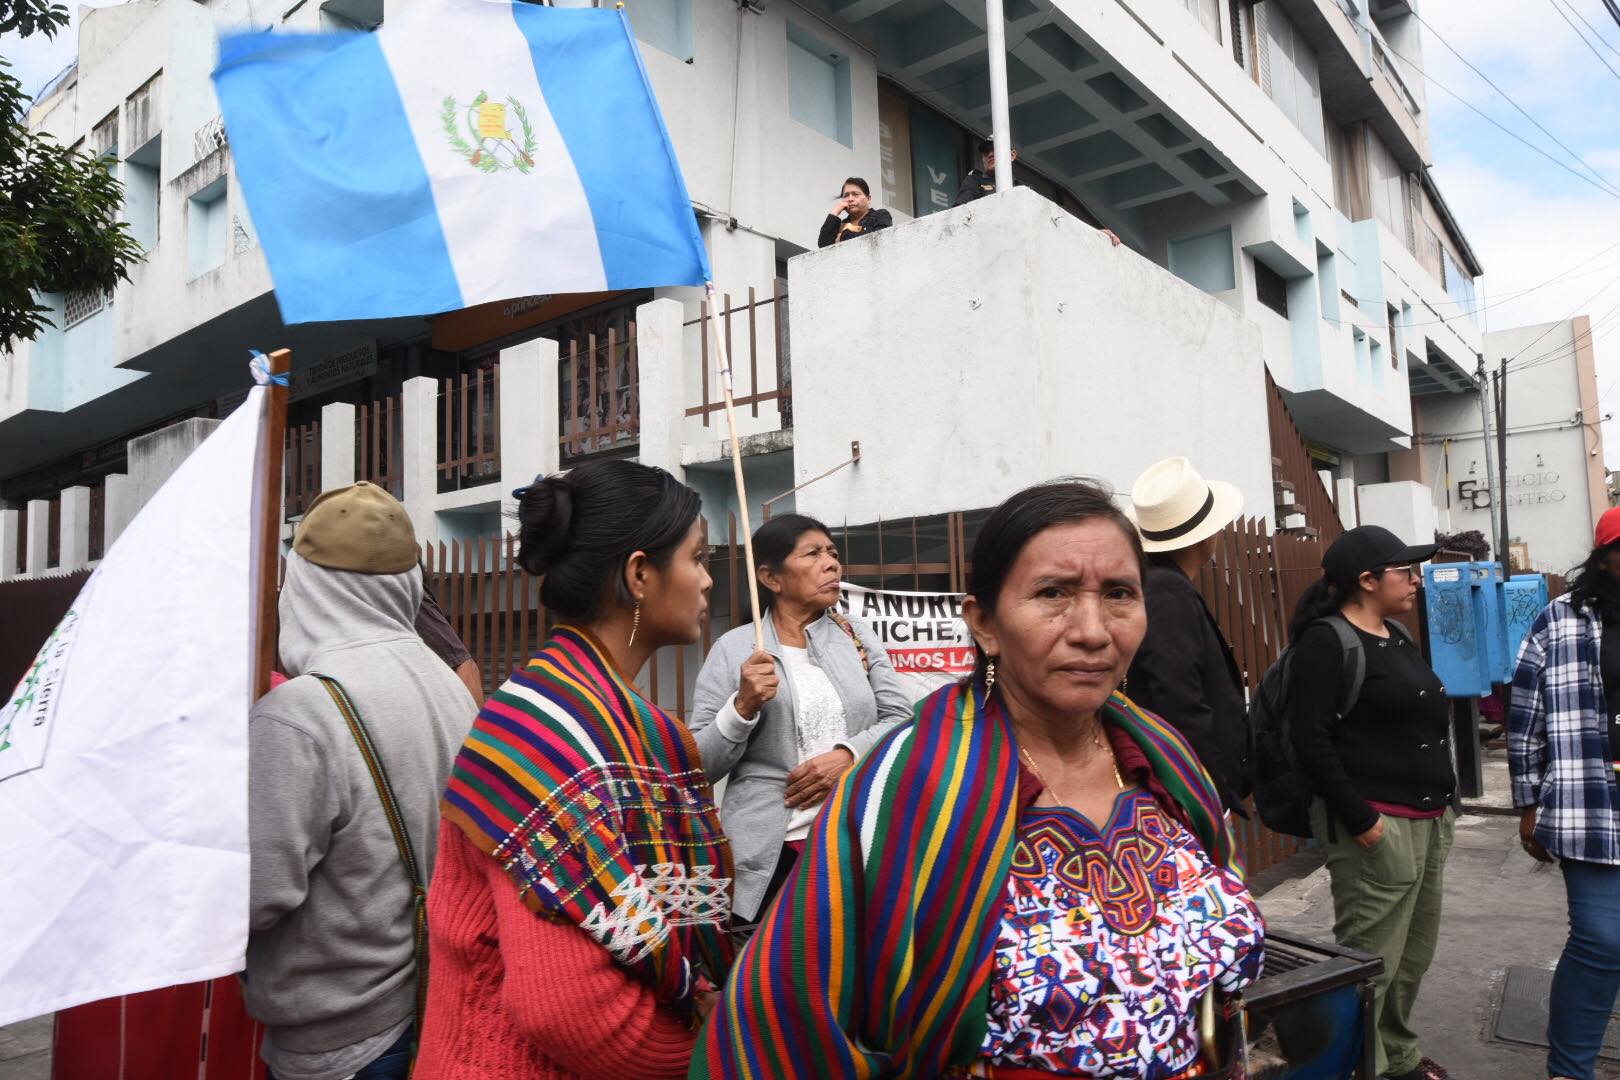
577, 915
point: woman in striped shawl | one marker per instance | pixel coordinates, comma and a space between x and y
1032, 878
578, 910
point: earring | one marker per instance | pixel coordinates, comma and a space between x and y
635, 625
989, 675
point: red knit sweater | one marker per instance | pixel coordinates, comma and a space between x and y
513, 996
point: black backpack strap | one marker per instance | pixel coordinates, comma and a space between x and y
396, 823
1355, 661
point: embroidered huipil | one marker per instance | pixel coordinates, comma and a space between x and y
1109, 939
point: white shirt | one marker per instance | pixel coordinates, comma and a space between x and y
821, 723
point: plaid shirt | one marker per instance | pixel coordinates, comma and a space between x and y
1558, 737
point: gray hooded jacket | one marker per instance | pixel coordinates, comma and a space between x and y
331, 968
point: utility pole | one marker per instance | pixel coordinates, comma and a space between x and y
1485, 444
1501, 461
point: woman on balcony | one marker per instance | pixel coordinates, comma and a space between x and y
1564, 751
852, 215
1032, 879
578, 909
784, 724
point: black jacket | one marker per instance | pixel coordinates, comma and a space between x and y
1184, 672
832, 230
1391, 747
975, 185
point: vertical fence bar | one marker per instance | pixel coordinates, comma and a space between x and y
753, 351
703, 356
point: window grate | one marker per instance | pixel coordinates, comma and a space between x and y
1270, 288
79, 306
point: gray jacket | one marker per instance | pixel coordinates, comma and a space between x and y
331, 967
756, 756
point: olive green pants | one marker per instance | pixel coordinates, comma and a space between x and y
1386, 901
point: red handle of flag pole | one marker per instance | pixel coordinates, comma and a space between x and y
737, 470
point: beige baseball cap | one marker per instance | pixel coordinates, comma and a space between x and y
360, 528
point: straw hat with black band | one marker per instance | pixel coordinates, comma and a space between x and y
1174, 507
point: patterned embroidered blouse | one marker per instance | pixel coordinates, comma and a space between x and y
1108, 940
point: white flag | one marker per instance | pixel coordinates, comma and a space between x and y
123, 754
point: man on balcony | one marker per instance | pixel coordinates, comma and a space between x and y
982, 181
1184, 671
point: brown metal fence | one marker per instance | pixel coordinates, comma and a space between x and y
599, 393
378, 445
470, 426
22, 539
755, 320
98, 520
33, 607
1299, 487
53, 532
302, 465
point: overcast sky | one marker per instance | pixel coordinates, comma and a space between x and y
1527, 219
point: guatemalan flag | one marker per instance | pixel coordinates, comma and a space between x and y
469, 150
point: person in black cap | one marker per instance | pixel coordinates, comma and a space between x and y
1381, 772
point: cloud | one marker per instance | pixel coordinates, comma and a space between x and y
36, 60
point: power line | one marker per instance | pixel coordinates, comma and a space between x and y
1583, 38
1602, 182
1594, 29
1508, 362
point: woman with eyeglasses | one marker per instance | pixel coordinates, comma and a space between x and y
1380, 768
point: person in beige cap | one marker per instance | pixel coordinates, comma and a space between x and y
1184, 672
331, 955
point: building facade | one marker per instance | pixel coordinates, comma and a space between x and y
1266, 164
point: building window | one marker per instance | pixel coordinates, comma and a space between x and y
1459, 286
1270, 288
1387, 186
818, 86
143, 192
207, 229
1243, 40
1288, 72
1394, 339
666, 25
1208, 14
1205, 261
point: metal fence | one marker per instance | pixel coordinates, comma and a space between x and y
469, 451
378, 445
302, 465
98, 520
599, 393
764, 322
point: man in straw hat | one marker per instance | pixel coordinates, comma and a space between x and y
332, 967
1184, 670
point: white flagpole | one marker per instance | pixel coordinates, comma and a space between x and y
995, 29
752, 587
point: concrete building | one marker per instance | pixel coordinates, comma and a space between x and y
1266, 164
1556, 482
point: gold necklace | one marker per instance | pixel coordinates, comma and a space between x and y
1096, 740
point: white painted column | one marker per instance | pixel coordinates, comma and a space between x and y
419, 439
660, 342
39, 531
337, 445
529, 418
74, 547
10, 542
118, 508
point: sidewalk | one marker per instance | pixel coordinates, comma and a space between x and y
25, 1050
1502, 910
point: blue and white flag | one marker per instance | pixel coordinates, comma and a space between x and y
468, 151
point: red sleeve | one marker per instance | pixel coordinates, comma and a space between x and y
585, 1011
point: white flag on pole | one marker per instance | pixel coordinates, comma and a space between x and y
123, 754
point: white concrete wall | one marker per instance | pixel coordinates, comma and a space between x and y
1403, 507
1006, 343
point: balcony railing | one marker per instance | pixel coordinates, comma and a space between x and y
598, 393
761, 325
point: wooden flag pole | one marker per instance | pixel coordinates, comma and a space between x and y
737, 471
267, 546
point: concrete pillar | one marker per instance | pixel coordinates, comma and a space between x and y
74, 546
337, 445
154, 458
419, 439
660, 340
529, 417
39, 532
10, 542
118, 509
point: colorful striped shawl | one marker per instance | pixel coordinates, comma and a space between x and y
595, 803
875, 960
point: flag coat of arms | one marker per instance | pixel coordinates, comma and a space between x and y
468, 151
